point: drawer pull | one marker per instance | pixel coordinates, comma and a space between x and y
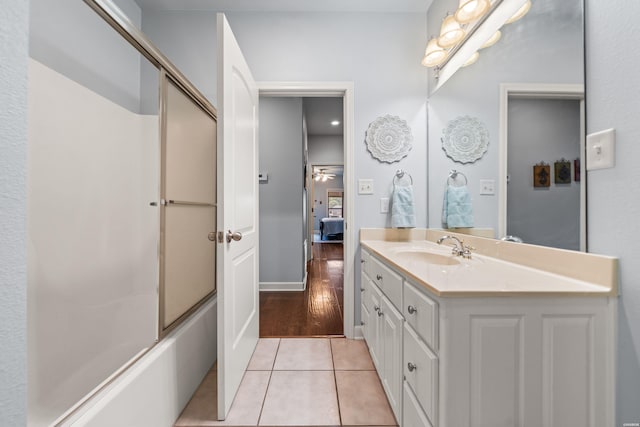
411, 309
361, 289
380, 313
362, 322
376, 308
411, 367
379, 277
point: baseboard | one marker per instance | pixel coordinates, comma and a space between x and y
357, 333
283, 286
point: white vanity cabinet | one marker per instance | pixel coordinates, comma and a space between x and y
465, 360
382, 326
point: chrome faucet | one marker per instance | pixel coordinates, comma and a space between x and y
459, 248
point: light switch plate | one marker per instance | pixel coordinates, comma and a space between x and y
601, 150
384, 205
487, 187
365, 186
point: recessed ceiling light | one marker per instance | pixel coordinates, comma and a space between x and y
335, 123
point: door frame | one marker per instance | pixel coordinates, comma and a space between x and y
539, 91
344, 90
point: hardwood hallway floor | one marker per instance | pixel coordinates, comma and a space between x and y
317, 311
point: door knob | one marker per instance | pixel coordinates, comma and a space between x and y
411, 309
233, 236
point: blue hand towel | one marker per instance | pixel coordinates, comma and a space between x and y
456, 208
402, 211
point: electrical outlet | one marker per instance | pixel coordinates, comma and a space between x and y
487, 187
365, 186
384, 205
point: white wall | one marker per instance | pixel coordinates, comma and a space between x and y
613, 195
13, 152
281, 156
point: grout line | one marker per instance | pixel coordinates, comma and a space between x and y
264, 399
335, 381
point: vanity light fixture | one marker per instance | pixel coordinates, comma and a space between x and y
520, 13
479, 33
450, 32
470, 10
434, 55
472, 59
492, 40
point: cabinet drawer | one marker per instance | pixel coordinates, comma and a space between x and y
421, 312
412, 413
421, 372
387, 280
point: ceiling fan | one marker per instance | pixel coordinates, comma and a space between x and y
322, 175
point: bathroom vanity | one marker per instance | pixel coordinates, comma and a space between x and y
517, 335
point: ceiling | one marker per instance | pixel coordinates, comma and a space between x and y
289, 5
320, 112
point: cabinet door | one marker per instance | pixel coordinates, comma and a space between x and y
412, 414
392, 355
421, 373
375, 322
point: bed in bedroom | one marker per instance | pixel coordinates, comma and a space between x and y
331, 228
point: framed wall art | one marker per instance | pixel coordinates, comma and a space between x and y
541, 175
562, 171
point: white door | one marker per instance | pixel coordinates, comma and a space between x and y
238, 307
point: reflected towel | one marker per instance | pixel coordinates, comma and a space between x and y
402, 210
456, 207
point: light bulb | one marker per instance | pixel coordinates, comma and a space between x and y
470, 10
520, 13
450, 32
434, 55
492, 40
472, 59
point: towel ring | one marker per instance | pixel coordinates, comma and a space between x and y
401, 174
453, 175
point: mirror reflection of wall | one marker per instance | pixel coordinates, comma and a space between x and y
545, 215
546, 46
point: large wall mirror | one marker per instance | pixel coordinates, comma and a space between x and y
528, 91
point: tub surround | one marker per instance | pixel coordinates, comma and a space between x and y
496, 268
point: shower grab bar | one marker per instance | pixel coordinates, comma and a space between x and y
181, 202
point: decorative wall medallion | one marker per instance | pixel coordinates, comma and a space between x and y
465, 139
389, 138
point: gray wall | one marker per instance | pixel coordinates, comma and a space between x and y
89, 52
14, 16
613, 195
281, 155
327, 149
548, 216
527, 53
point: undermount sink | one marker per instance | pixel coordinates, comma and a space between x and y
428, 257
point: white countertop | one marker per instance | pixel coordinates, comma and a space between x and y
479, 276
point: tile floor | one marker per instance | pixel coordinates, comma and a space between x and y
299, 382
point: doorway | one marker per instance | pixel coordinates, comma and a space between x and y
324, 304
